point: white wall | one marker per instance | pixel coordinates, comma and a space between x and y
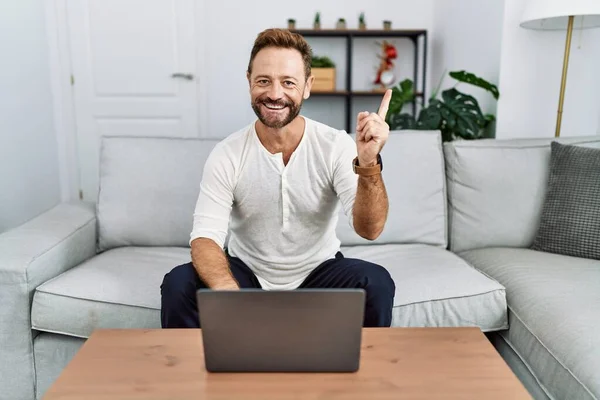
468, 35
228, 107
29, 180
530, 73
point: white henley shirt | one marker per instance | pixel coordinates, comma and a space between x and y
281, 219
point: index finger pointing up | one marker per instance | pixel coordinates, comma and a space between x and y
385, 104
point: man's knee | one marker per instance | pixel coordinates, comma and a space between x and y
379, 279
179, 283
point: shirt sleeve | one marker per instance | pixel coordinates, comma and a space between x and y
345, 181
215, 200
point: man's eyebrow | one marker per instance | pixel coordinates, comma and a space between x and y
287, 77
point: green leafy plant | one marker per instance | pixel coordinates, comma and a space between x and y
455, 114
322, 62
361, 18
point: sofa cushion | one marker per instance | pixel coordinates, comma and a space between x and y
121, 289
496, 189
148, 190
414, 177
436, 288
554, 316
570, 221
116, 289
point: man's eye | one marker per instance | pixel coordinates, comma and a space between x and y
263, 82
288, 83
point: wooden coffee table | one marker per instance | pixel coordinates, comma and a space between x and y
396, 363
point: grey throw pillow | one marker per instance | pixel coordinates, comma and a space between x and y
570, 220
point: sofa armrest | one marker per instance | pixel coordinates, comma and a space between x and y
31, 254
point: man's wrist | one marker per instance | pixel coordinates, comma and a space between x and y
367, 163
229, 285
367, 168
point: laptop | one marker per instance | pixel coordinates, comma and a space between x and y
302, 330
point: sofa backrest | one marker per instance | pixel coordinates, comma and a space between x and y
148, 190
413, 173
496, 189
149, 187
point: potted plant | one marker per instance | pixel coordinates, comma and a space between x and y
291, 24
387, 25
362, 24
457, 115
323, 69
341, 24
317, 23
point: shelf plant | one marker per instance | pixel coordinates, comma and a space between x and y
362, 24
323, 69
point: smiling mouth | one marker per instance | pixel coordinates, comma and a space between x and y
275, 107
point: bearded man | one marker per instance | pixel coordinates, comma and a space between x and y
275, 187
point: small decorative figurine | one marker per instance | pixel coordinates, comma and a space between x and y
385, 74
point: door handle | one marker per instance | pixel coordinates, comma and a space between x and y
189, 77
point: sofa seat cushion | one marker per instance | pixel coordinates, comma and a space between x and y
554, 315
116, 289
436, 288
121, 289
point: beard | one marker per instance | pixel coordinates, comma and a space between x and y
276, 119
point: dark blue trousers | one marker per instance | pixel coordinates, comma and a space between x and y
178, 290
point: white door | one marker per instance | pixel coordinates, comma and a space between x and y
134, 73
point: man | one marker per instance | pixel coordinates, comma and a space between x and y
276, 187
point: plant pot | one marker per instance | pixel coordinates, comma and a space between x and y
387, 25
362, 26
291, 24
317, 25
341, 25
324, 79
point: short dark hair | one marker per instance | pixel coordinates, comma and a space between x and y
285, 39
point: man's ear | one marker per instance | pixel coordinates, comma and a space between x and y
248, 77
308, 86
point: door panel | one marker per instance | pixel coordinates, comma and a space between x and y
134, 68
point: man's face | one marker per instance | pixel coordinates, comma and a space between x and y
278, 86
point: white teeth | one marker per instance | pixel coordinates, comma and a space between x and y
274, 107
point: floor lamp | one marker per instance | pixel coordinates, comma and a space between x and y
561, 15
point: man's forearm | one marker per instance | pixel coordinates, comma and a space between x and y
211, 264
370, 206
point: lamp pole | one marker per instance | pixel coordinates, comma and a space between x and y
563, 82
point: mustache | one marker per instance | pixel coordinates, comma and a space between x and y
275, 102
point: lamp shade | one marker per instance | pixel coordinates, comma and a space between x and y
554, 14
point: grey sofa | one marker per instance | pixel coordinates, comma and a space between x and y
462, 216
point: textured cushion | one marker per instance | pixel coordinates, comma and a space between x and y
554, 316
116, 289
496, 189
436, 288
148, 190
413, 173
570, 221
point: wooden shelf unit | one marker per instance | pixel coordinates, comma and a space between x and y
417, 36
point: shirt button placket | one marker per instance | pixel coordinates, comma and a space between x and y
284, 200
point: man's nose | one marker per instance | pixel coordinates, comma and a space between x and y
275, 91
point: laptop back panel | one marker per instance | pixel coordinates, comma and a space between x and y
308, 330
